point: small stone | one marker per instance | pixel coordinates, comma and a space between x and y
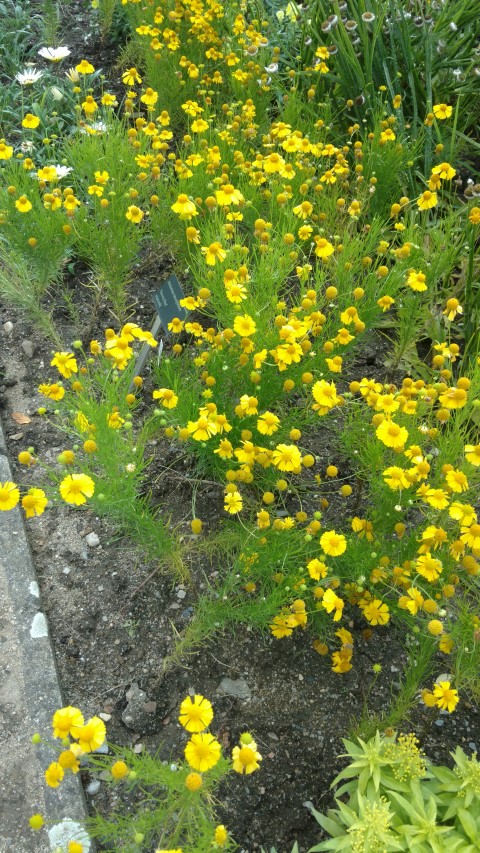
136, 716
138, 748
105, 717
8, 327
236, 687
181, 593
92, 540
16, 436
174, 606
439, 723
472, 746
272, 736
28, 348
103, 749
93, 788
66, 570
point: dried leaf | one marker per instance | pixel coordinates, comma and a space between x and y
20, 418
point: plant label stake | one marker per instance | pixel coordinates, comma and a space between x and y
167, 302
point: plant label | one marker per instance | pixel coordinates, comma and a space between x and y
167, 301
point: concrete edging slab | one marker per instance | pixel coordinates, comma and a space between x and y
29, 694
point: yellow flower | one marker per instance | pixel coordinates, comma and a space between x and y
429, 567
287, 457
244, 326
221, 835
85, 67
452, 308
332, 602
184, 207
233, 502
149, 97
323, 249
54, 774
134, 214
195, 714
416, 280
119, 770
246, 758
376, 612
193, 782
473, 216
6, 151
268, 423
391, 434
91, 735
445, 171
472, 454
9, 496
333, 544
427, 200
442, 111
76, 488
228, 195
202, 752
89, 105
55, 391
167, 396
65, 363
34, 502
446, 697
202, 429
23, 204
31, 121
65, 719
131, 76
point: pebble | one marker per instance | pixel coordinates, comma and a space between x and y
472, 746
105, 717
28, 348
181, 593
236, 687
92, 540
93, 788
439, 723
8, 327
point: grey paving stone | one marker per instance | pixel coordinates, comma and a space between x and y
29, 694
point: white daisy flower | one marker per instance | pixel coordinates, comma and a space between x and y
29, 76
54, 54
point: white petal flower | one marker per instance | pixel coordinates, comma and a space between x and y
54, 54
29, 76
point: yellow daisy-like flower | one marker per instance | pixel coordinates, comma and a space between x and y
392, 434
76, 488
331, 602
246, 758
91, 735
31, 121
9, 496
203, 752
446, 697
244, 326
65, 719
442, 111
195, 714
134, 214
54, 774
427, 200
34, 502
23, 204
65, 362
333, 544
